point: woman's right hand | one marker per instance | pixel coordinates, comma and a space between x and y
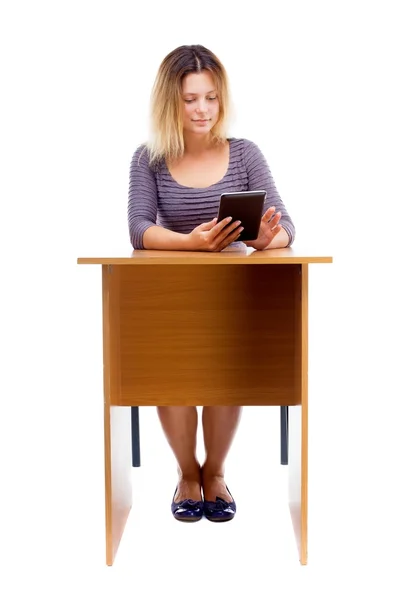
214, 236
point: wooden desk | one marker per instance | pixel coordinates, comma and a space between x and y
204, 329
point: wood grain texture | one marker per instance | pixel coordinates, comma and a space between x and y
204, 330
298, 423
117, 422
201, 336
228, 256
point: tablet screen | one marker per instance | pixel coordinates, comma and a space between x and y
246, 207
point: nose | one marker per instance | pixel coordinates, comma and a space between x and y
201, 105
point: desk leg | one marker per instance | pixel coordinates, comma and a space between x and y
117, 421
298, 478
298, 421
117, 425
135, 436
284, 435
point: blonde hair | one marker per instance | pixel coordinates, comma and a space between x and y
166, 111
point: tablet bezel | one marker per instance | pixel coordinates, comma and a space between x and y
246, 207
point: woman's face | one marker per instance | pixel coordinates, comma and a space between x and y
200, 103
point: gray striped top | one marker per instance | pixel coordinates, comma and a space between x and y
155, 198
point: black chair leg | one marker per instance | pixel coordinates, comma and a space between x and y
135, 436
284, 435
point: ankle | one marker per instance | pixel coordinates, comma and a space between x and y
190, 472
212, 470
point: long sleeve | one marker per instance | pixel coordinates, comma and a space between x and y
260, 178
142, 204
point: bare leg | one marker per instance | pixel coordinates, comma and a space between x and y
220, 424
180, 427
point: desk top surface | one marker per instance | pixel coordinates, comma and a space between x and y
228, 256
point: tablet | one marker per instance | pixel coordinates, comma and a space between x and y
246, 207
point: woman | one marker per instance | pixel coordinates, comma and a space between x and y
175, 185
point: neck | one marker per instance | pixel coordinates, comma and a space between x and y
196, 144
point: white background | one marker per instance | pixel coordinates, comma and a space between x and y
312, 85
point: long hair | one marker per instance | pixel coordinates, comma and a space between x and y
166, 139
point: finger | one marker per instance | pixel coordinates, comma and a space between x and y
222, 224
230, 238
219, 231
209, 225
276, 230
230, 233
274, 221
268, 214
224, 228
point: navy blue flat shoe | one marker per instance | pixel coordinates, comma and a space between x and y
187, 510
220, 510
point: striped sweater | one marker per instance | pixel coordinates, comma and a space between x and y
155, 198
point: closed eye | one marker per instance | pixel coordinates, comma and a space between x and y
193, 99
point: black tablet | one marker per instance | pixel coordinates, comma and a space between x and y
246, 207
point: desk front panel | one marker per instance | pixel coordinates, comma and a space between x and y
207, 334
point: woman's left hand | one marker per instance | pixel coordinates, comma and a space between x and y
269, 228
